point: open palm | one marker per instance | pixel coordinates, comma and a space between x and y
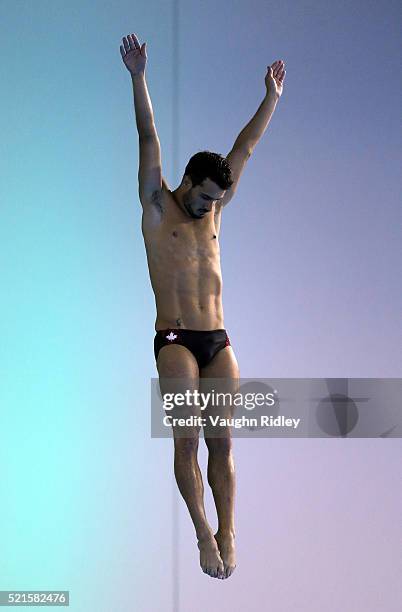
134, 55
275, 78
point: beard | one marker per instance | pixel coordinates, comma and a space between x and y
187, 206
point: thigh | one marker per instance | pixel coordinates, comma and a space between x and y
220, 378
223, 365
179, 376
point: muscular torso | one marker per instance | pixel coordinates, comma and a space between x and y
184, 264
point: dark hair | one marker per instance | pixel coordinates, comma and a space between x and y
214, 166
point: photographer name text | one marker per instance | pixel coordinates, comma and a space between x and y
236, 422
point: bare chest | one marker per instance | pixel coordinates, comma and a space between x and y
174, 238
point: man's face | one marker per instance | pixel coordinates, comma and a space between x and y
199, 200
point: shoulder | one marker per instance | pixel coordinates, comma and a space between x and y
218, 210
218, 217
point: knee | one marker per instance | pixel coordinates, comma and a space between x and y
219, 446
186, 447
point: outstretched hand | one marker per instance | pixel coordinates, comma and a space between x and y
275, 77
134, 55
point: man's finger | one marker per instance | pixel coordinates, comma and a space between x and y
136, 41
125, 43
122, 51
277, 70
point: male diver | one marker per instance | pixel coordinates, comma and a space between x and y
181, 235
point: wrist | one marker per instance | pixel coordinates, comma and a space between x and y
270, 101
137, 75
272, 97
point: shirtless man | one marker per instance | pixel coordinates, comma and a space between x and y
181, 231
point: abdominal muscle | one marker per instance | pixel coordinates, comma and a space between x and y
190, 299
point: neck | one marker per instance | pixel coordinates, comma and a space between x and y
177, 196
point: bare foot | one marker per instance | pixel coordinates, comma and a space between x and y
226, 544
210, 559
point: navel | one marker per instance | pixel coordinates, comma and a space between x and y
174, 234
214, 236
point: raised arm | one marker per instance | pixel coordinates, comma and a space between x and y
150, 167
255, 128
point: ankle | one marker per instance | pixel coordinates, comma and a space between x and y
225, 534
204, 535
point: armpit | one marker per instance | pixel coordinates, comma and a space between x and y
157, 200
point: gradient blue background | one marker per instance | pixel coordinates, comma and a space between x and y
311, 258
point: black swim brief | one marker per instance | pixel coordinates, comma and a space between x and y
203, 344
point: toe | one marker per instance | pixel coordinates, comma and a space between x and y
230, 570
